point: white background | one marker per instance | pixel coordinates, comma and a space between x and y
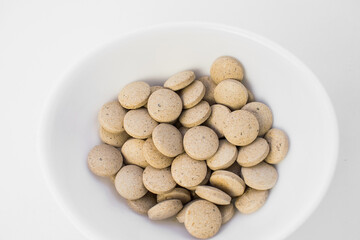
39, 40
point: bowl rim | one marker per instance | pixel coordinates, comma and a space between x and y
63, 80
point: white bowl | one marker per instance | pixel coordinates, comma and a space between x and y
299, 103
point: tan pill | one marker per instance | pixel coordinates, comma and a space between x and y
111, 117
113, 139
251, 200
168, 140
181, 215
231, 93
260, 177
143, 204
158, 181
165, 209
241, 128
139, 124
262, 113
234, 168
216, 121
226, 67
228, 182
180, 80
253, 153
192, 94
183, 130
164, 105
279, 145
188, 172
196, 115
153, 157
134, 95
209, 89
177, 193
129, 184
224, 157
227, 212
213, 195
104, 160
132, 151
202, 219
201, 142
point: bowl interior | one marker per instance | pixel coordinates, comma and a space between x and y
299, 104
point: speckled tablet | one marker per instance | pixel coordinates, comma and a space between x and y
201, 142
226, 67
111, 117
253, 153
158, 181
104, 160
231, 93
134, 95
262, 176
132, 151
139, 124
241, 128
164, 105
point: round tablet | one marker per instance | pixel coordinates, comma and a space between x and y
235, 168
134, 95
226, 67
213, 195
241, 128
231, 93
113, 139
251, 200
192, 94
209, 89
188, 172
132, 151
177, 193
180, 80
165, 209
201, 142
158, 181
260, 177
253, 153
129, 184
143, 204
279, 145
196, 115
202, 219
181, 215
168, 140
228, 182
262, 113
139, 124
153, 157
224, 157
216, 121
164, 105
227, 212
111, 117
104, 160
